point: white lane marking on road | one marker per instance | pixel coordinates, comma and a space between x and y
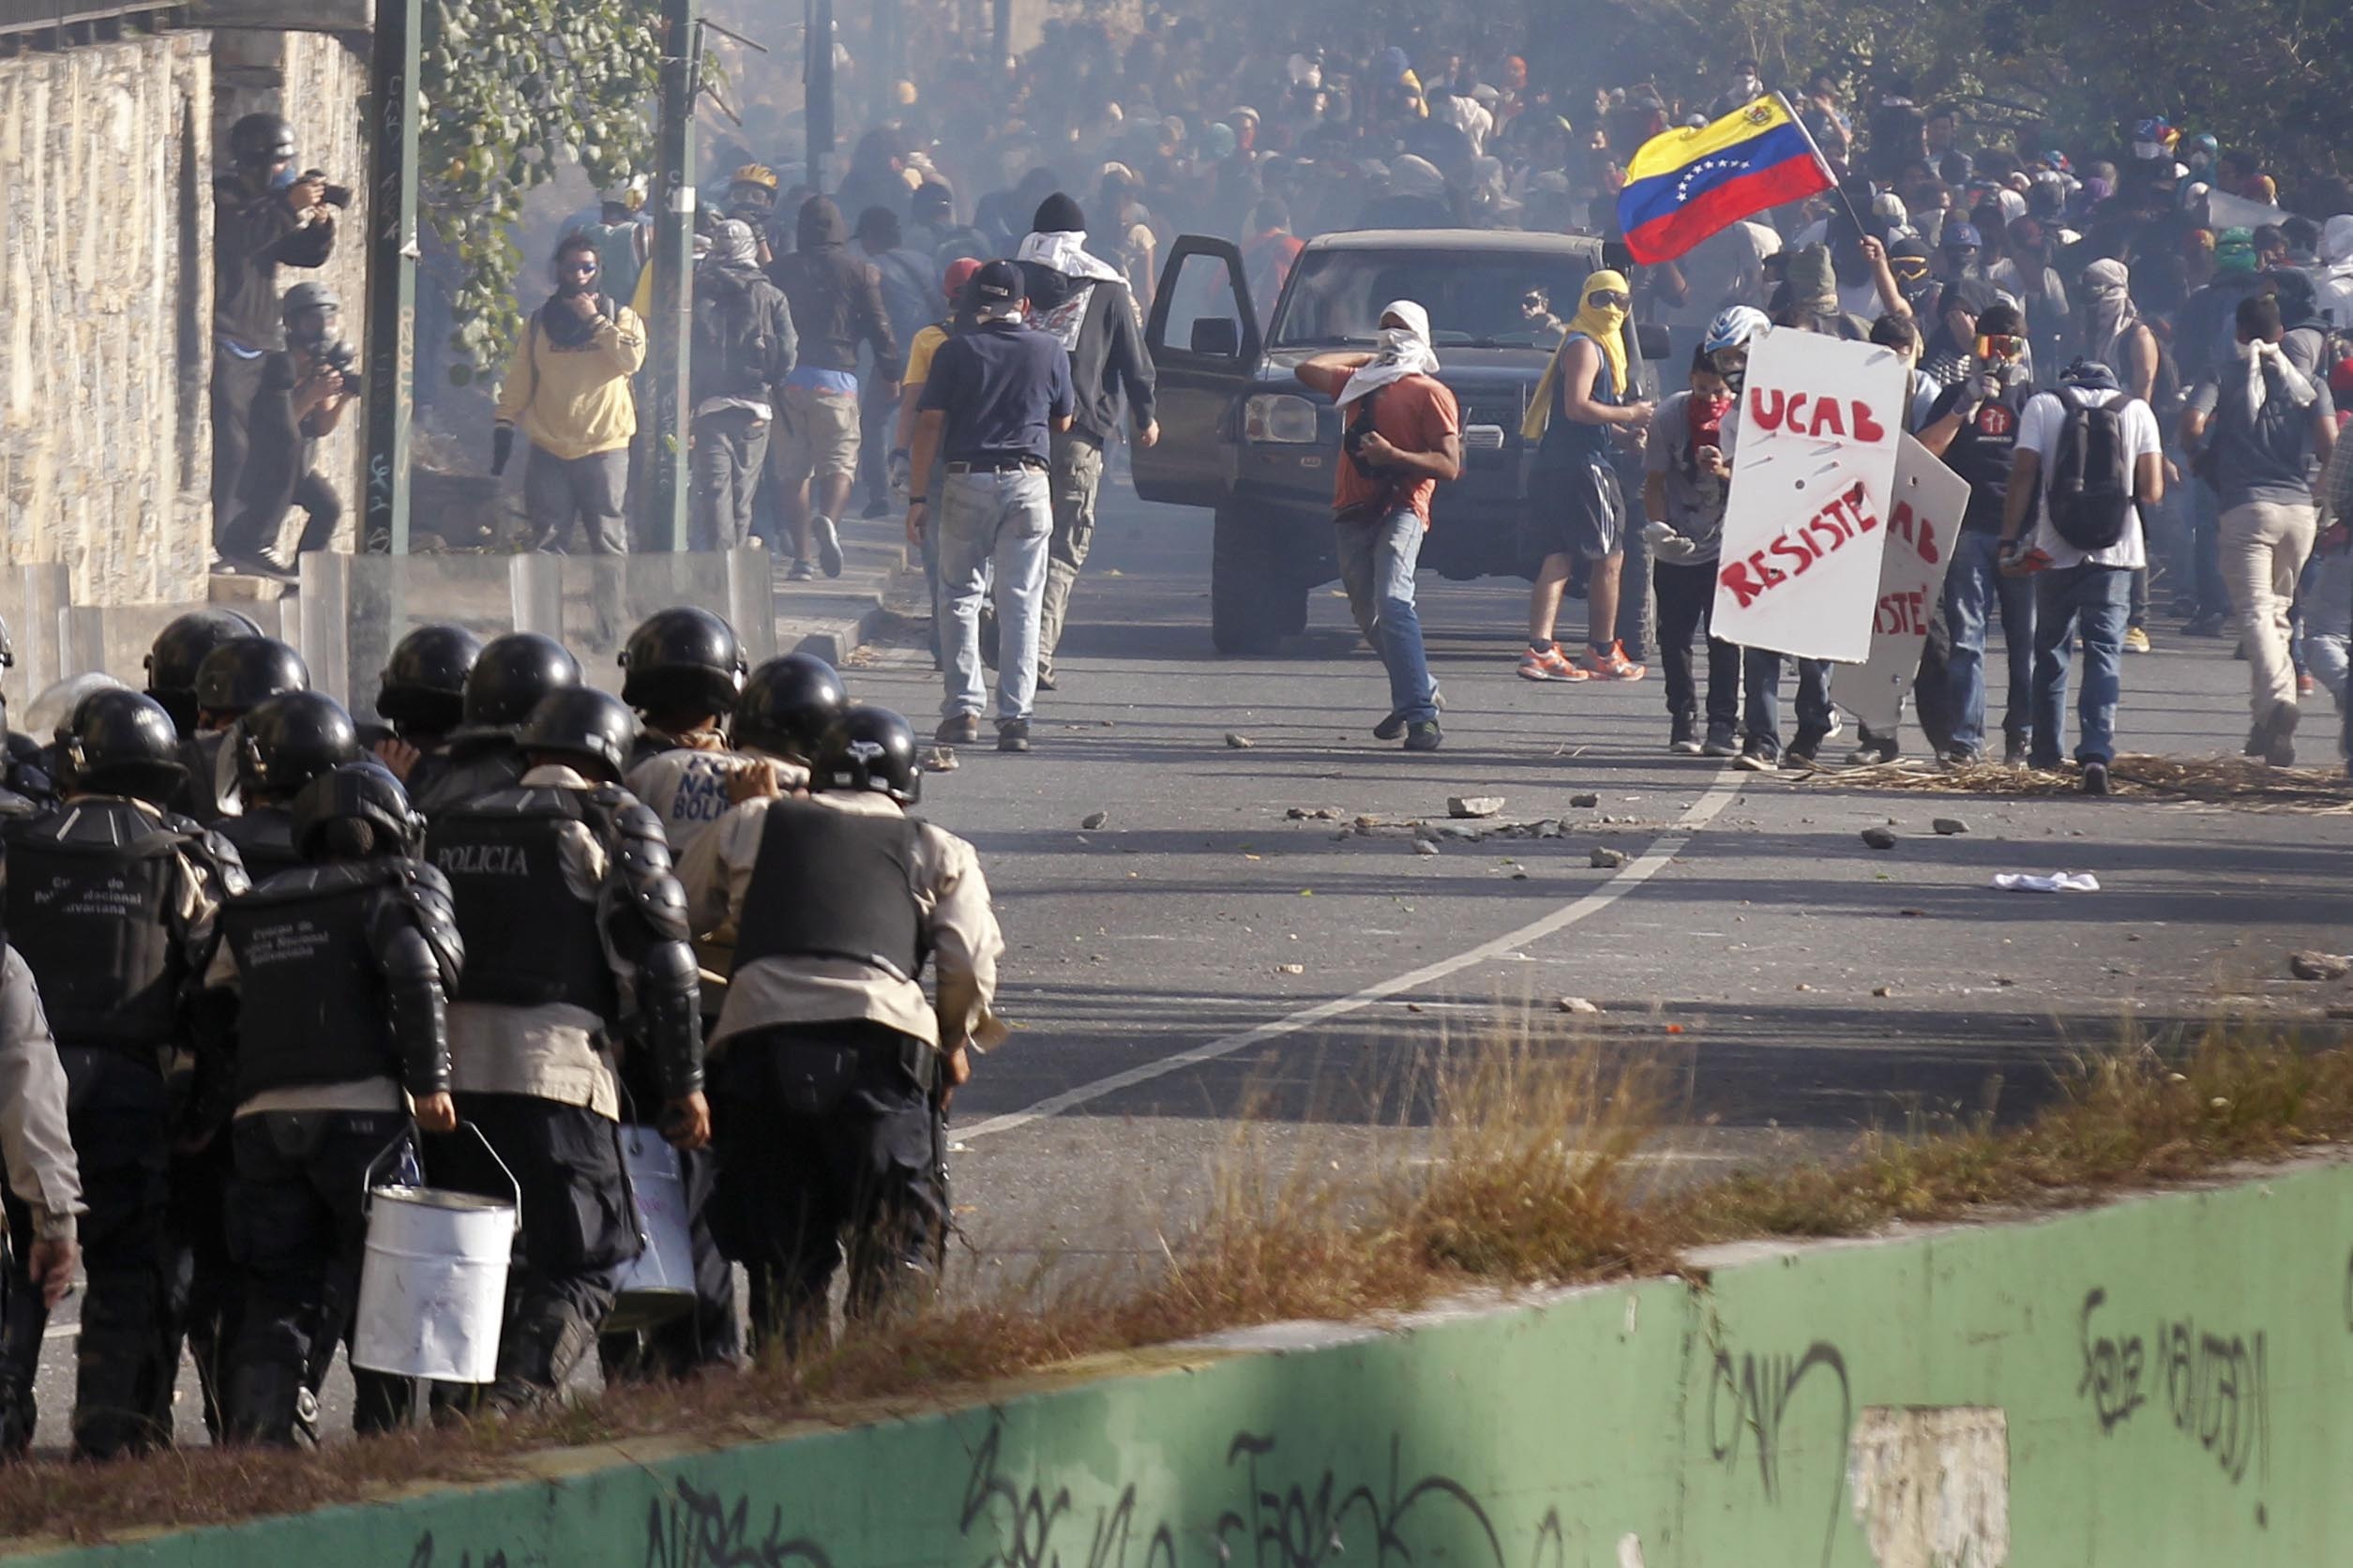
1653, 860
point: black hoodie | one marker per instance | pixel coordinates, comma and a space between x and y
253, 235
837, 297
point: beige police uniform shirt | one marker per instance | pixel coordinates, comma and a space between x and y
944, 877
34, 1141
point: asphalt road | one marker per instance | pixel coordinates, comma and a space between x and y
1203, 952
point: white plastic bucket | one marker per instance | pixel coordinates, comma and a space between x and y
433, 1288
659, 1284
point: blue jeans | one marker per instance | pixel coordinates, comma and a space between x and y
1972, 588
1760, 677
2097, 599
1004, 520
1377, 562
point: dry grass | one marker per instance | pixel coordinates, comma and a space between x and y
1526, 1172
2235, 781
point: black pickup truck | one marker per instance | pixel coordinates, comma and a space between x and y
1239, 433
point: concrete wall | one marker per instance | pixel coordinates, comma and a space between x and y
2163, 1382
105, 287
317, 80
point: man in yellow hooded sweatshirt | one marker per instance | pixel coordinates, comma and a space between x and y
569, 387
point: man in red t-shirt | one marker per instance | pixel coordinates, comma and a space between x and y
1404, 435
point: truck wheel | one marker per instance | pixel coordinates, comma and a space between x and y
1243, 614
1290, 600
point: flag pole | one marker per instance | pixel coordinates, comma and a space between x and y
1837, 189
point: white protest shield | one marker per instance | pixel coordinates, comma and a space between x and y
1923, 521
1813, 469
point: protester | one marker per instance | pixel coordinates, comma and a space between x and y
744, 348
2098, 452
1973, 426
2266, 431
908, 281
2112, 333
995, 398
1085, 306
568, 388
1685, 476
836, 305
1403, 439
1585, 401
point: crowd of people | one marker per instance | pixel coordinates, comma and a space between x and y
261, 958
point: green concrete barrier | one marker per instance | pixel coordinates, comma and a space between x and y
2168, 1380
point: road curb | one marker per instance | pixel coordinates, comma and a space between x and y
834, 637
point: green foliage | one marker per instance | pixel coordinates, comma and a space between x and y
514, 91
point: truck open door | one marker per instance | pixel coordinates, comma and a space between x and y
1203, 338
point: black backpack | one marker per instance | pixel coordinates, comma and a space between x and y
2090, 500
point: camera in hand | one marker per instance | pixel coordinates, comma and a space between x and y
333, 195
338, 355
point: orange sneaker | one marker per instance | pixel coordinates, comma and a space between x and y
1550, 664
1613, 666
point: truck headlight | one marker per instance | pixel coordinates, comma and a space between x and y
1278, 417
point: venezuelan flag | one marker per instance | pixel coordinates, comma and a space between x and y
1688, 184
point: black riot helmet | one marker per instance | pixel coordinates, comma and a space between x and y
871, 749
180, 652
245, 671
362, 794
788, 705
290, 739
120, 743
259, 141
510, 676
424, 690
582, 725
684, 660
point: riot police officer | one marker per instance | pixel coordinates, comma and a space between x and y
282, 744
236, 677
423, 698
43, 1196
575, 937
509, 677
681, 670
342, 967
831, 1070
178, 652
111, 900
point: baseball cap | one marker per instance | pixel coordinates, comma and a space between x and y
959, 275
996, 285
1958, 235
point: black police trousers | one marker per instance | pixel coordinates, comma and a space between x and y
298, 1230
118, 1115
200, 1289
830, 1139
576, 1230
711, 1335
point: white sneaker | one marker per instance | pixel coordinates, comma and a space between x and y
828, 541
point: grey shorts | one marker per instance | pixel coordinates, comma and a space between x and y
1579, 511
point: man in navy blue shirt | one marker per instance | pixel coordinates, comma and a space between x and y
995, 397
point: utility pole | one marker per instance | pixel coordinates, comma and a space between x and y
391, 369
669, 333
818, 75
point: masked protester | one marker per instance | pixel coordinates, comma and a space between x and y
113, 901
1084, 303
568, 388
575, 937
743, 349
1973, 426
264, 217
1585, 401
2113, 334
340, 967
832, 1070
1686, 481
